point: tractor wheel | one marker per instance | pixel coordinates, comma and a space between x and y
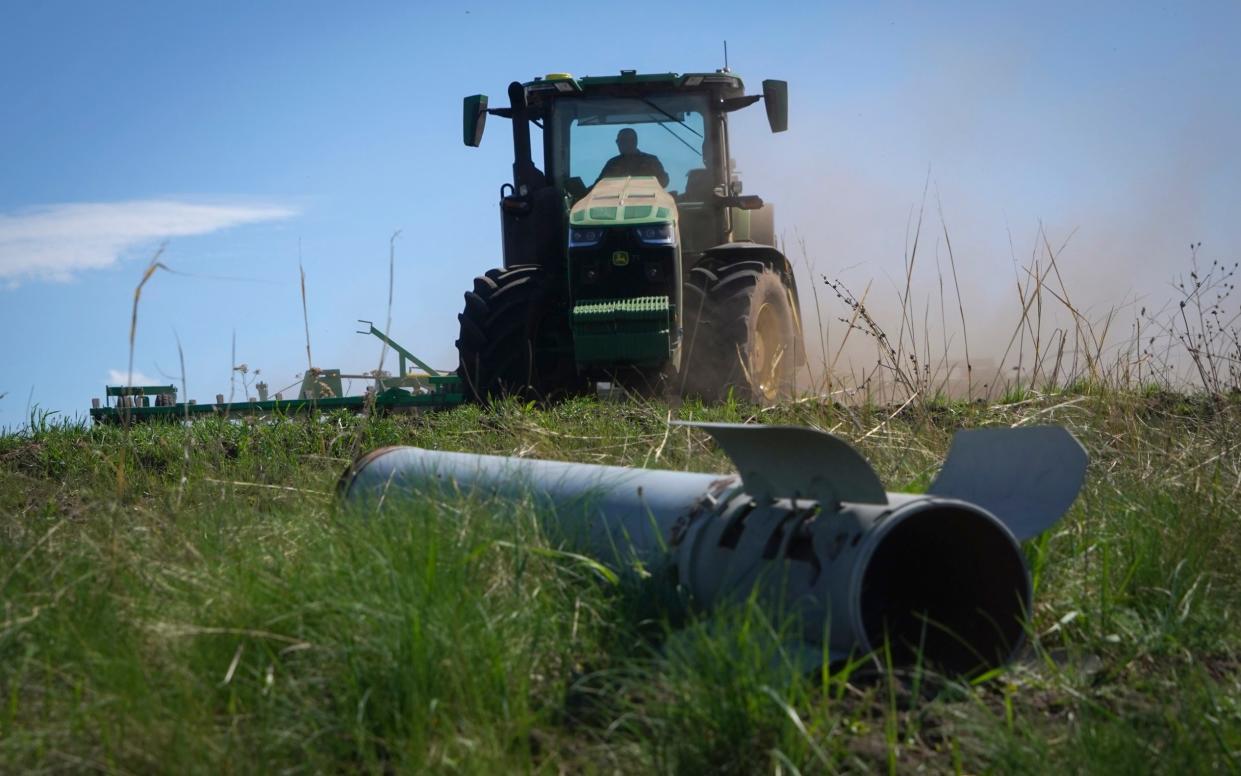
515, 338
750, 335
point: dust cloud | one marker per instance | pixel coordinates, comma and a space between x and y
1114, 173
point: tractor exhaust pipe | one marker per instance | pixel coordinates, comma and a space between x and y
523, 162
936, 579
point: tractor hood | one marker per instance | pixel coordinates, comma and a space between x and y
624, 202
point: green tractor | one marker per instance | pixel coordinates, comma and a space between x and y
646, 267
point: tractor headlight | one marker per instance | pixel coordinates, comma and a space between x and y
584, 238
656, 234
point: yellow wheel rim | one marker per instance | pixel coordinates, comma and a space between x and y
767, 353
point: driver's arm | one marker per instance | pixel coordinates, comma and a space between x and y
658, 170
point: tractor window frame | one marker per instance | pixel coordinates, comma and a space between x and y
565, 110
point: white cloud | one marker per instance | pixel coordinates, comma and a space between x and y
121, 377
53, 242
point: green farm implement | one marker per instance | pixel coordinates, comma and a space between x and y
321, 391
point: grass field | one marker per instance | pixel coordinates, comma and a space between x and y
190, 599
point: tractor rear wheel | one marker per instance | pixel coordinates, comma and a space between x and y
747, 326
515, 338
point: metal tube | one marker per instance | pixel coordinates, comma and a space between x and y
615, 513
927, 578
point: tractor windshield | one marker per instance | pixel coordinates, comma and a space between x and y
619, 135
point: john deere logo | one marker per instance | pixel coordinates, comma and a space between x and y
620, 258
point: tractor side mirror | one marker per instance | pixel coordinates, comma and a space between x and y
474, 119
747, 202
776, 100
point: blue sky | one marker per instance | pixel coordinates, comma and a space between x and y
243, 135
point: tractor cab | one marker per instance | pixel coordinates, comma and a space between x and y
681, 120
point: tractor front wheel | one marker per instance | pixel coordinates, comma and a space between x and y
515, 338
744, 336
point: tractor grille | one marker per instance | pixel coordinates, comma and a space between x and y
622, 331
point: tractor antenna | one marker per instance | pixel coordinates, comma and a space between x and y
726, 56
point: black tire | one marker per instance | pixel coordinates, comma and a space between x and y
746, 337
515, 338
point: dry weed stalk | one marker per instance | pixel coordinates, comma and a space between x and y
1201, 332
152, 266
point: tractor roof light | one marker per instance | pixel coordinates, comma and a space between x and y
560, 82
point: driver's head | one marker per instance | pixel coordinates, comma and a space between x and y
627, 141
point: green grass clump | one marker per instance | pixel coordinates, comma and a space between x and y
192, 599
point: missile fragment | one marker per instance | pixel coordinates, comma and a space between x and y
937, 578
